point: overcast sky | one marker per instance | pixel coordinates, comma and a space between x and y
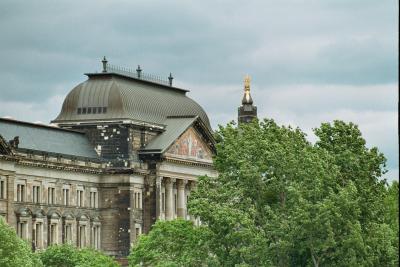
310, 61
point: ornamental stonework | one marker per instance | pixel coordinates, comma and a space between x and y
191, 146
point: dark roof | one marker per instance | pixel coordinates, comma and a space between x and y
128, 98
175, 128
47, 138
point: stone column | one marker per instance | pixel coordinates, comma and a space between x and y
169, 199
159, 197
181, 198
11, 219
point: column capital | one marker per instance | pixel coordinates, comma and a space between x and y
182, 182
159, 180
170, 180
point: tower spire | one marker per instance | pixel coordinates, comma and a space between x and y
247, 111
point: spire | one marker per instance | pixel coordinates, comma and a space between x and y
247, 111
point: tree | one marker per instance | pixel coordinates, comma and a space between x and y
282, 201
14, 252
173, 243
66, 255
363, 167
279, 200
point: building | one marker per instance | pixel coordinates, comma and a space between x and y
125, 151
247, 111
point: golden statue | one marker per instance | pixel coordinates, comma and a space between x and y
247, 83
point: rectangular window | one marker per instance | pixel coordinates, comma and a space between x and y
66, 196
89, 110
36, 194
95, 237
81, 236
99, 110
20, 192
135, 200
2, 189
79, 110
67, 233
104, 109
37, 235
138, 200
79, 198
52, 234
51, 195
137, 233
83, 110
21, 230
93, 199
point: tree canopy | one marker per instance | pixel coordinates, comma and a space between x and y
279, 200
174, 243
14, 252
66, 255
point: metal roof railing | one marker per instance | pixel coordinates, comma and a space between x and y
138, 74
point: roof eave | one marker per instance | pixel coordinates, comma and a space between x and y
105, 74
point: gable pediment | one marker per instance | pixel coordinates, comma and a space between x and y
191, 146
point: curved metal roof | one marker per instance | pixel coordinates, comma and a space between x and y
128, 98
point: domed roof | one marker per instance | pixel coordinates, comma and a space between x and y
110, 96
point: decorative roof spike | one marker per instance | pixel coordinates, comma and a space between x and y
104, 61
138, 71
170, 78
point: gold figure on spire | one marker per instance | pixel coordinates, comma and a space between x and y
247, 83
247, 89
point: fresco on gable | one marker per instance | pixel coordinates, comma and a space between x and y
190, 145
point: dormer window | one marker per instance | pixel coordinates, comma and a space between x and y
91, 110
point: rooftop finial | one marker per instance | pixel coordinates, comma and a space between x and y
104, 61
247, 83
247, 98
138, 71
170, 78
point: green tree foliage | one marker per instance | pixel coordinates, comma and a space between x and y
173, 243
68, 256
281, 201
14, 252
391, 201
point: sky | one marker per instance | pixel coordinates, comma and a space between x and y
309, 61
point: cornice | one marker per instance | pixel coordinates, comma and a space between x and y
189, 162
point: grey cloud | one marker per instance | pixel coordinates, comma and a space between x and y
305, 57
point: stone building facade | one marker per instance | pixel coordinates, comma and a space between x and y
125, 150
